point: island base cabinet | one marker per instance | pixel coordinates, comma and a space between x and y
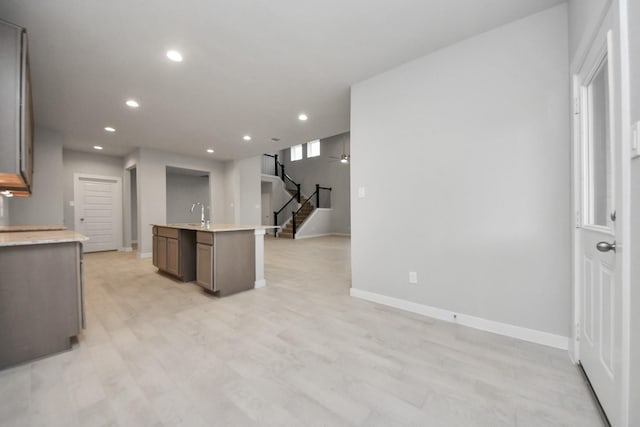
41, 302
174, 252
173, 257
204, 262
226, 261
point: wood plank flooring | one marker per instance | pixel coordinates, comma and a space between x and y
299, 352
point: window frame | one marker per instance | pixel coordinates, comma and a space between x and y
292, 152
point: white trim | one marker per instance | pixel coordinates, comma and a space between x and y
576, 183
322, 235
525, 334
259, 281
145, 254
625, 223
126, 249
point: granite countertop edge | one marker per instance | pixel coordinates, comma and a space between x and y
216, 228
19, 238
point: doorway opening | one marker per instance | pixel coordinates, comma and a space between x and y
133, 200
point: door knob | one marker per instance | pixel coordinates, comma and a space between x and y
606, 246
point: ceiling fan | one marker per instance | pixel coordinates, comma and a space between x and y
344, 157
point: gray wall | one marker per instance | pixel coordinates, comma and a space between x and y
327, 172
86, 163
278, 196
583, 16
481, 139
243, 190
45, 204
182, 191
151, 167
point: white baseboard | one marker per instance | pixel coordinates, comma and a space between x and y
126, 249
525, 334
260, 283
145, 254
322, 235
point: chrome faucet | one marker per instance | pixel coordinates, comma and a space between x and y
202, 221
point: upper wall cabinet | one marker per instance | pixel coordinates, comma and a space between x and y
16, 112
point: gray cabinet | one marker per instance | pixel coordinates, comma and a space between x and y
174, 252
16, 111
226, 261
41, 301
204, 260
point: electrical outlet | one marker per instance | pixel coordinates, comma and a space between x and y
362, 192
413, 277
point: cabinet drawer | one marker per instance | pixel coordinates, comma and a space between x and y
168, 232
204, 238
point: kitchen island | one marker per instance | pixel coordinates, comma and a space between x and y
222, 258
41, 295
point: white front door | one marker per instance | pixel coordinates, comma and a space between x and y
98, 211
600, 235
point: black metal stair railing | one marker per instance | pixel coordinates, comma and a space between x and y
278, 170
316, 196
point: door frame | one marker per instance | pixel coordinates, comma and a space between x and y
624, 212
117, 203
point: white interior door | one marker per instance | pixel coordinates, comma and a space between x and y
98, 211
599, 233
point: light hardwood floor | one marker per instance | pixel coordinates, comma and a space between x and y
299, 352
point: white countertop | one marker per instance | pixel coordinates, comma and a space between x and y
215, 228
18, 238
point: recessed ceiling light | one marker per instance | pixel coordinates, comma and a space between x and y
110, 129
132, 103
209, 150
174, 55
247, 138
303, 117
97, 147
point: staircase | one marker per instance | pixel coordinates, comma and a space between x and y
271, 166
287, 231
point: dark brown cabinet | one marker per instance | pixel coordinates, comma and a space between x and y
174, 252
16, 112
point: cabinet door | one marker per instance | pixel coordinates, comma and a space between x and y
162, 252
26, 140
154, 250
204, 263
173, 257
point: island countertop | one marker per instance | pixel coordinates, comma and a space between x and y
215, 228
18, 238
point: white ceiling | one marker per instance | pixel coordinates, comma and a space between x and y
250, 66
